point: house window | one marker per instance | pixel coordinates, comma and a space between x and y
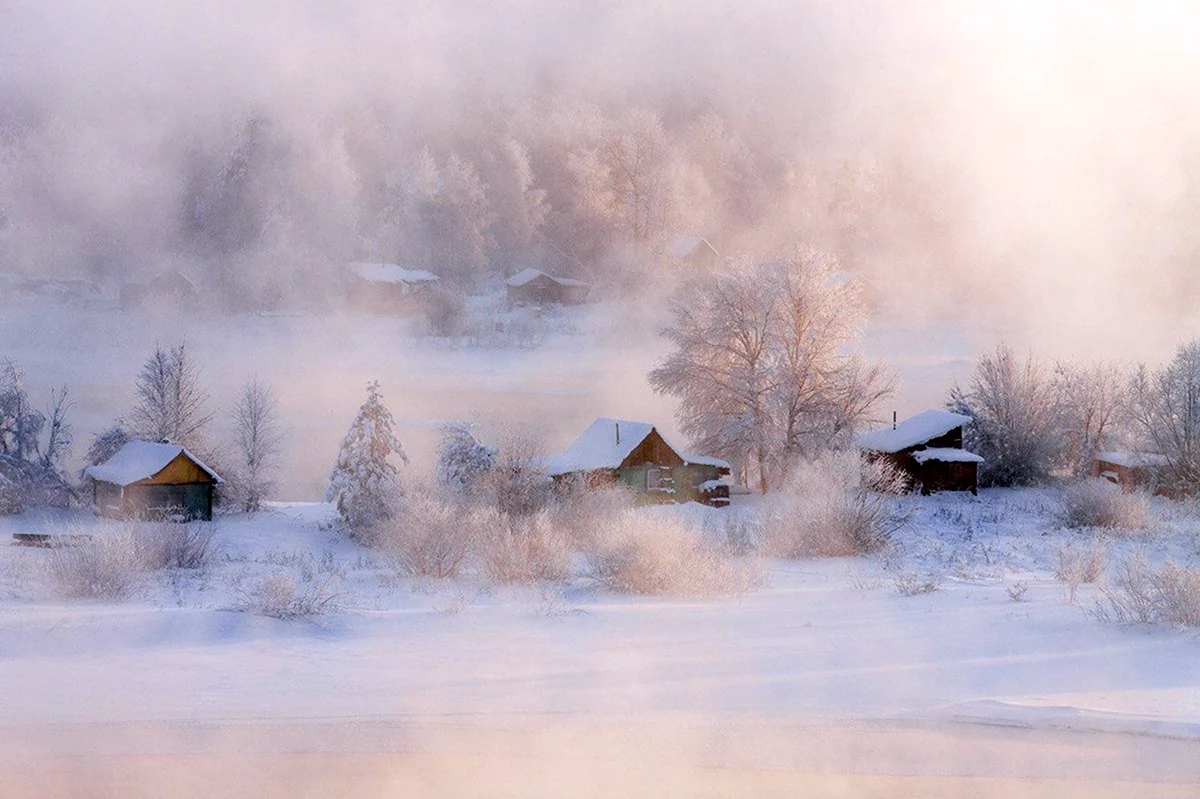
659, 478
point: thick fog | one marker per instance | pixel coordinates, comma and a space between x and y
1029, 165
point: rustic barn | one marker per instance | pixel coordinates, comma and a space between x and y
533, 287
928, 449
1133, 471
612, 452
143, 480
384, 288
693, 251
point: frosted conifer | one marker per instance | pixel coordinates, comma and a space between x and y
364, 479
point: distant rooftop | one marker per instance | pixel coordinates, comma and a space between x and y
391, 273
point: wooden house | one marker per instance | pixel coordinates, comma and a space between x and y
634, 455
693, 251
534, 287
144, 480
928, 448
1133, 471
385, 288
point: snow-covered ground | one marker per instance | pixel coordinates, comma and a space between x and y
820, 640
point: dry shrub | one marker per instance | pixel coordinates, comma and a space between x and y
586, 517
109, 563
912, 584
1099, 503
107, 566
282, 595
429, 537
835, 505
1080, 565
1139, 593
655, 554
521, 549
177, 546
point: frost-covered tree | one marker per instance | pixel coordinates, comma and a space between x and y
171, 401
1093, 402
364, 480
1016, 424
462, 460
33, 445
1166, 411
258, 436
106, 443
764, 365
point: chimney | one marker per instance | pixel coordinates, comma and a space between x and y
618, 426
893, 420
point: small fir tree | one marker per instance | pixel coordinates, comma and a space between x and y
364, 480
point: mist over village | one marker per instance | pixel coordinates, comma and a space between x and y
599, 399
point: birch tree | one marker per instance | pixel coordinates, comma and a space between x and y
763, 362
258, 436
172, 403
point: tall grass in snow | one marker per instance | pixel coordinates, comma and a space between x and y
110, 563
1099, 503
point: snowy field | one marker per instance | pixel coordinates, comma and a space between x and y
826, 653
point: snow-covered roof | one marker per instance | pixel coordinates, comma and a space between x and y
525, 276
704, 460
1134, 460
946, 455
141, 460
913, 432
598, 447
683, 246
529, 275
391, 273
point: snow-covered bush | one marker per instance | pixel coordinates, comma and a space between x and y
587, 517
655, 554
1079, 565
445, 313
107, 566
462, 460
429, 537
364, 481
516, 485
521, 549
283, 595
176, 546
909, 583
835, 505
1015, 419
1099, 503
1140, 593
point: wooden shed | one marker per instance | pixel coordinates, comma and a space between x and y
385, 288
928, 448
1133, 471
613, 452
534, 287
693, 251
144, 480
